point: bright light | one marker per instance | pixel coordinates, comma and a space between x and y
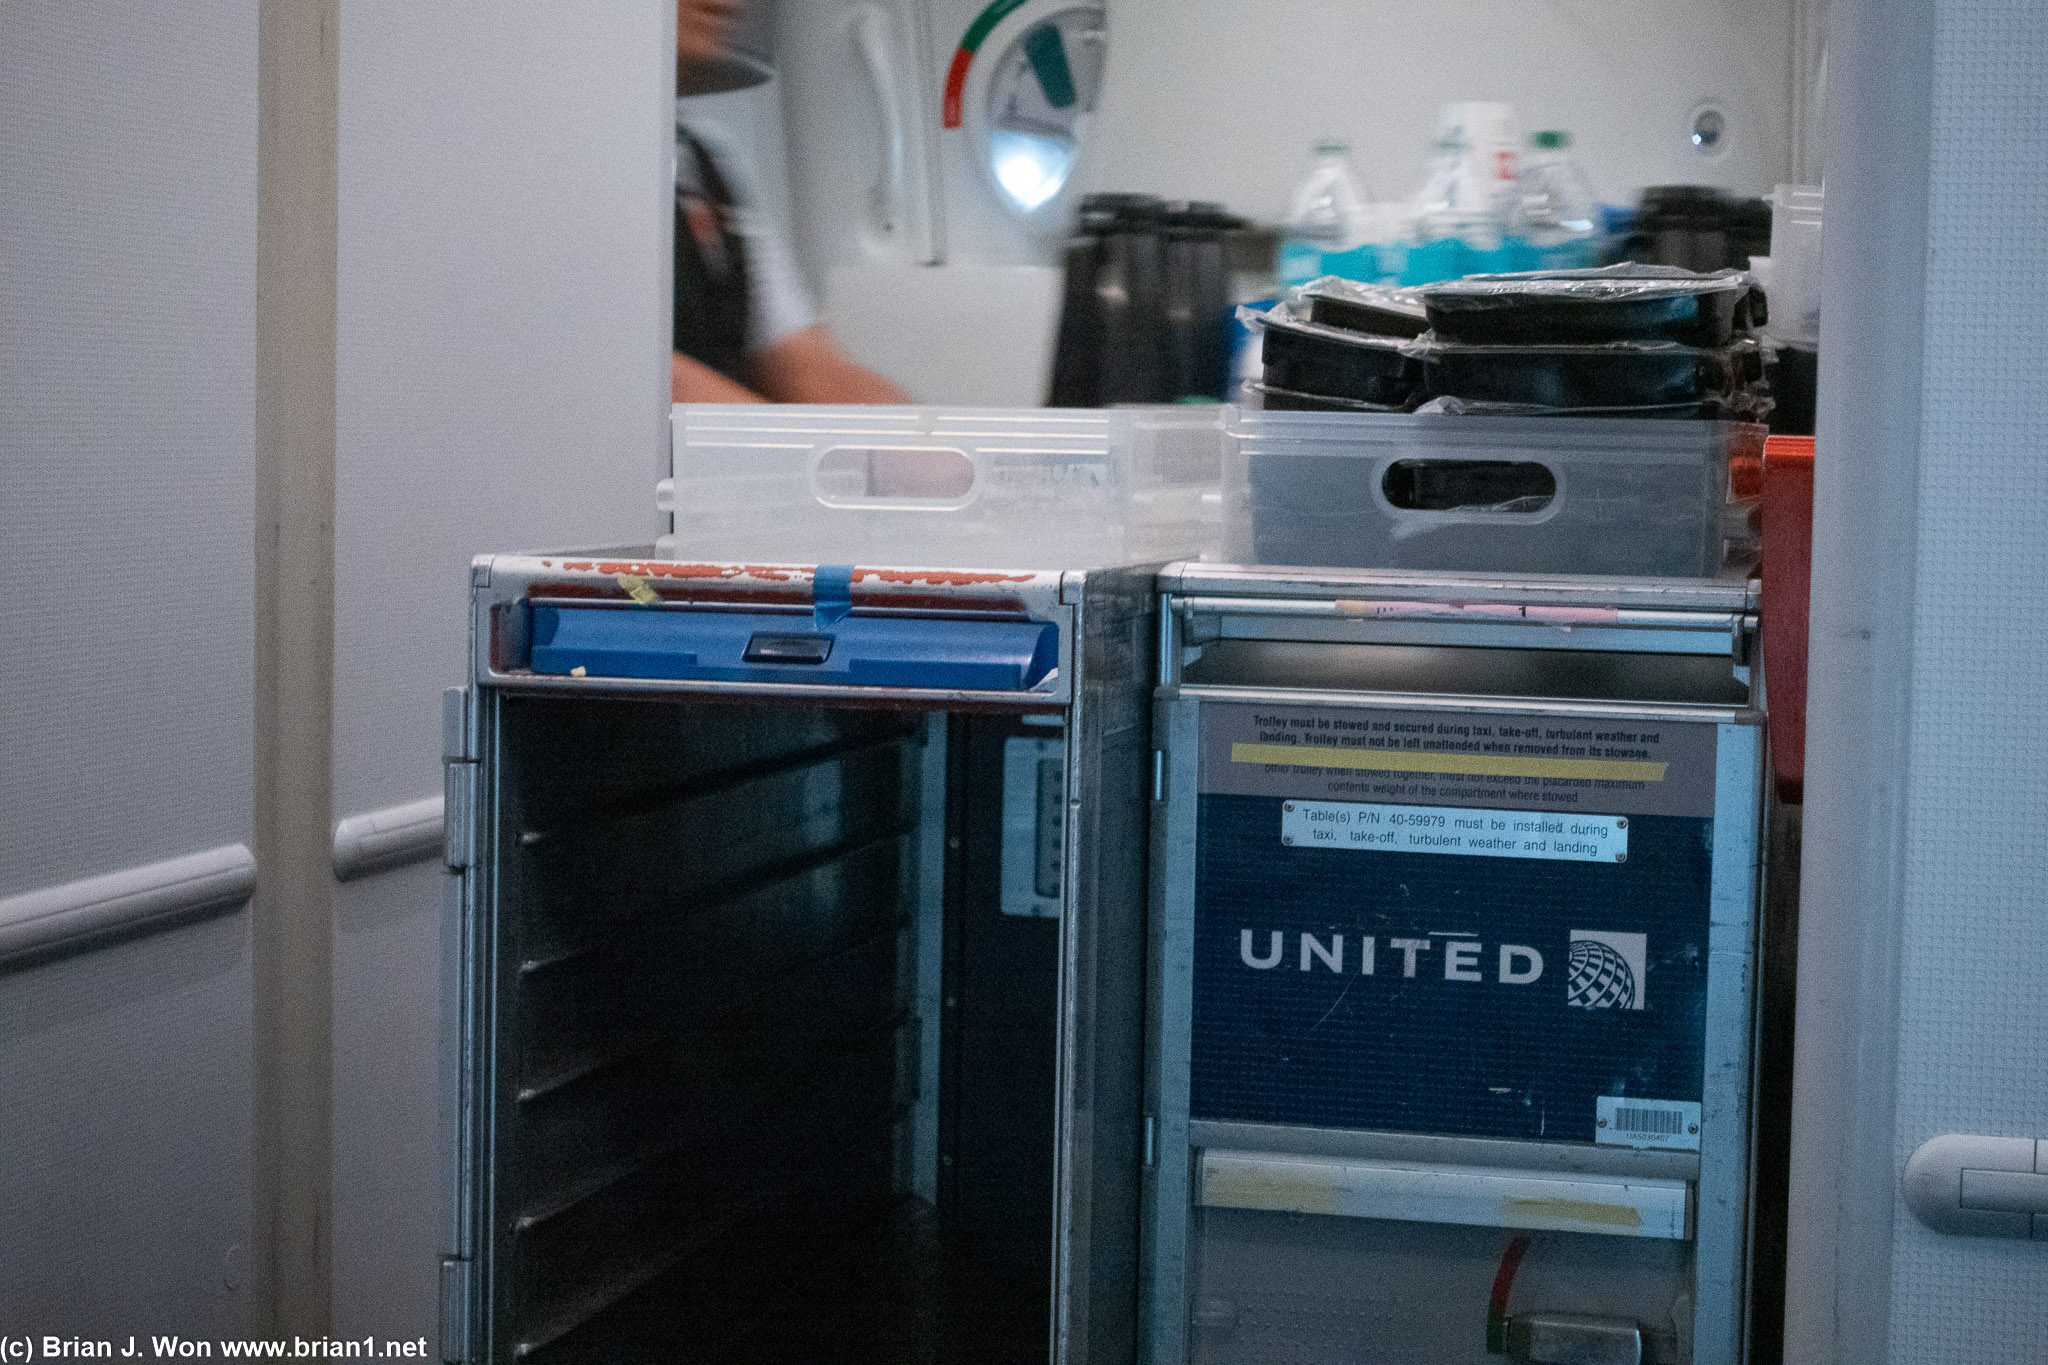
1030, 168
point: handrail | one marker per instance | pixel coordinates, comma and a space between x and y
145, 898
379, 840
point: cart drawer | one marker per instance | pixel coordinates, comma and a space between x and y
731, 646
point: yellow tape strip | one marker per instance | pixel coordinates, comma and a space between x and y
637, 589
1475, 765
1550, 1212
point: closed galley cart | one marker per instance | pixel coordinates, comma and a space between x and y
1455, 888
800, 935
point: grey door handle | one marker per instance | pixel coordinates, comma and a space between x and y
1980, 1186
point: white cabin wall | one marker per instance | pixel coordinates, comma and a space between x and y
1921, 955
1217, 99
502, 383
1973, 1025
128, 166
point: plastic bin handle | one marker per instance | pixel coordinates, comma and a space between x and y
895, 478
1452, 487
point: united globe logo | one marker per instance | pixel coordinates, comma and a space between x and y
1598, 978
1605, 971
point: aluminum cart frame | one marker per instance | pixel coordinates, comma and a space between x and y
696, 748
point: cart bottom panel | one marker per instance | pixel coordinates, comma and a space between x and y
898, 1287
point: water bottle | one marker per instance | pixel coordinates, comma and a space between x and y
1560, 215
1465, 214
1328, 229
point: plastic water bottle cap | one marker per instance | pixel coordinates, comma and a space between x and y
1331, 146
1551, 140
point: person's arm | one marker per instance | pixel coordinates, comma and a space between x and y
807, 366
691, 381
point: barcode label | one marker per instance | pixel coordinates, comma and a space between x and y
1632, 1122
1649, 1120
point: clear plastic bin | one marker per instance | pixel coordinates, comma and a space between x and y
1491, 494
962, 487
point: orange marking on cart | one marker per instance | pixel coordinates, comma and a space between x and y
774, 572
939, 579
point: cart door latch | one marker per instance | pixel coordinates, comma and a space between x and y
1980, 1186
764, 647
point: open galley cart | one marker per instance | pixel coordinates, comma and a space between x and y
800, 936
1455, 890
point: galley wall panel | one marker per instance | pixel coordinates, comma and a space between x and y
502, 384
127, 456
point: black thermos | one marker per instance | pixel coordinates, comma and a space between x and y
1145, 316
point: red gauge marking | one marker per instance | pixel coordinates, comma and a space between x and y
970, 43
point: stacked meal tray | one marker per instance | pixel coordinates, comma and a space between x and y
1619, 341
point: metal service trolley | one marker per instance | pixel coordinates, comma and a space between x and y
801, 908
799, 925
1454, 899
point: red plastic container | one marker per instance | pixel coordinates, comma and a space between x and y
1787, 570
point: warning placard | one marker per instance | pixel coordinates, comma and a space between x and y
1605, 765
1459, 830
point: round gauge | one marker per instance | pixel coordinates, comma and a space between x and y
1041, 90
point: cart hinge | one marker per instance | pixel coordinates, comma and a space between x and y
454, 1325
455, 728
458, 829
